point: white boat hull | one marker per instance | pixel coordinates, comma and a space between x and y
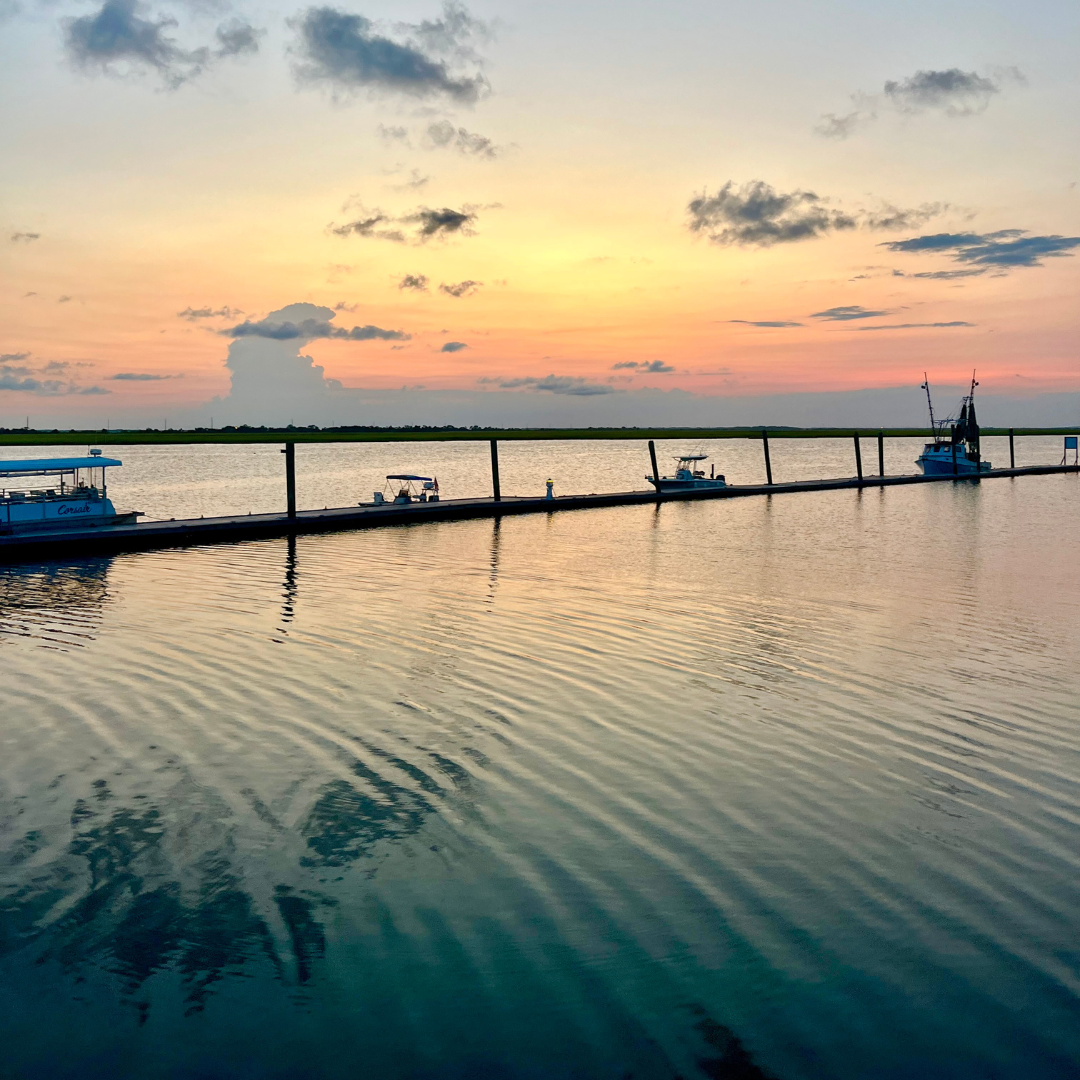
31, 515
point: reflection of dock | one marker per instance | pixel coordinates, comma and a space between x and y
159, 534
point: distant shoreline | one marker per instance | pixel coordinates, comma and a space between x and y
247, 434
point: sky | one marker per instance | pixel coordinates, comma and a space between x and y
536, 213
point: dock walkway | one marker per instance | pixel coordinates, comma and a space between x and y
144, 535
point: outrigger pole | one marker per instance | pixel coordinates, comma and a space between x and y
926, 387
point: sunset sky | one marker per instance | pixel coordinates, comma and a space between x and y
576, 200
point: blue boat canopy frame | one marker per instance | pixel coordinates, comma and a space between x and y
41, 466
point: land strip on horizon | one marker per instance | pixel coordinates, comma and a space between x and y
305, 435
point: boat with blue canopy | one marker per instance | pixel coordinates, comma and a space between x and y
57, 493
408, 488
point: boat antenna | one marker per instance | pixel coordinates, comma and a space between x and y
926, 386
973, 385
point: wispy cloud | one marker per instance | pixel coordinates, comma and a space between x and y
140, 376
756, 215
1005, 249
194, 314
454, 346
426, 224
644, 367
950, 91
460, 289
444, 136
910, 326
847, 313
771, 323
24, 237
310, 330
117, 39
415, 282
346, 52
573, 385
27, 378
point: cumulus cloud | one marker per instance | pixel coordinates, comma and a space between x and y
24, 237
415, 282
573, 385
951, 91
310, 329
911, 326
756, 215
774, 323
193, 314
347, 53
443, 135
426, 224
1002, 250
847, 313
454, 346
461, 288
117, 39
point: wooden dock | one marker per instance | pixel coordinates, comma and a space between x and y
145, 535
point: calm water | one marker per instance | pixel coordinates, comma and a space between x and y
776, 787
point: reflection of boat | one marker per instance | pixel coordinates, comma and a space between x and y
688, 476
52, 493
406, 488
955, 449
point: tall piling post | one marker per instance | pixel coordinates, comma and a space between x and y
290, 478
953, 431
881, 453
858, 457
768, 460
1012, 451
655, 470
496, 491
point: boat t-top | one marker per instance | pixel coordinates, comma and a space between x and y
688, 475
407, 488
56, 493
955, 449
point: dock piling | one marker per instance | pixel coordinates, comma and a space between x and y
768, 461
496, 491
290, 478
655, 470
881, 453
1012, 453
858, 457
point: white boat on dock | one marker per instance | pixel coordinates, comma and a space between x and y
57, 493
408, 488
688, 476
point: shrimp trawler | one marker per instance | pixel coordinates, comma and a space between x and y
955, 449
57, 493
688, 476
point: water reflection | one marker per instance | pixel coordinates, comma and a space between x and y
60, 603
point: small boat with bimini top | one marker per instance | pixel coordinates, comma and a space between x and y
57, 493
407, 488
688, 476
955, 449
